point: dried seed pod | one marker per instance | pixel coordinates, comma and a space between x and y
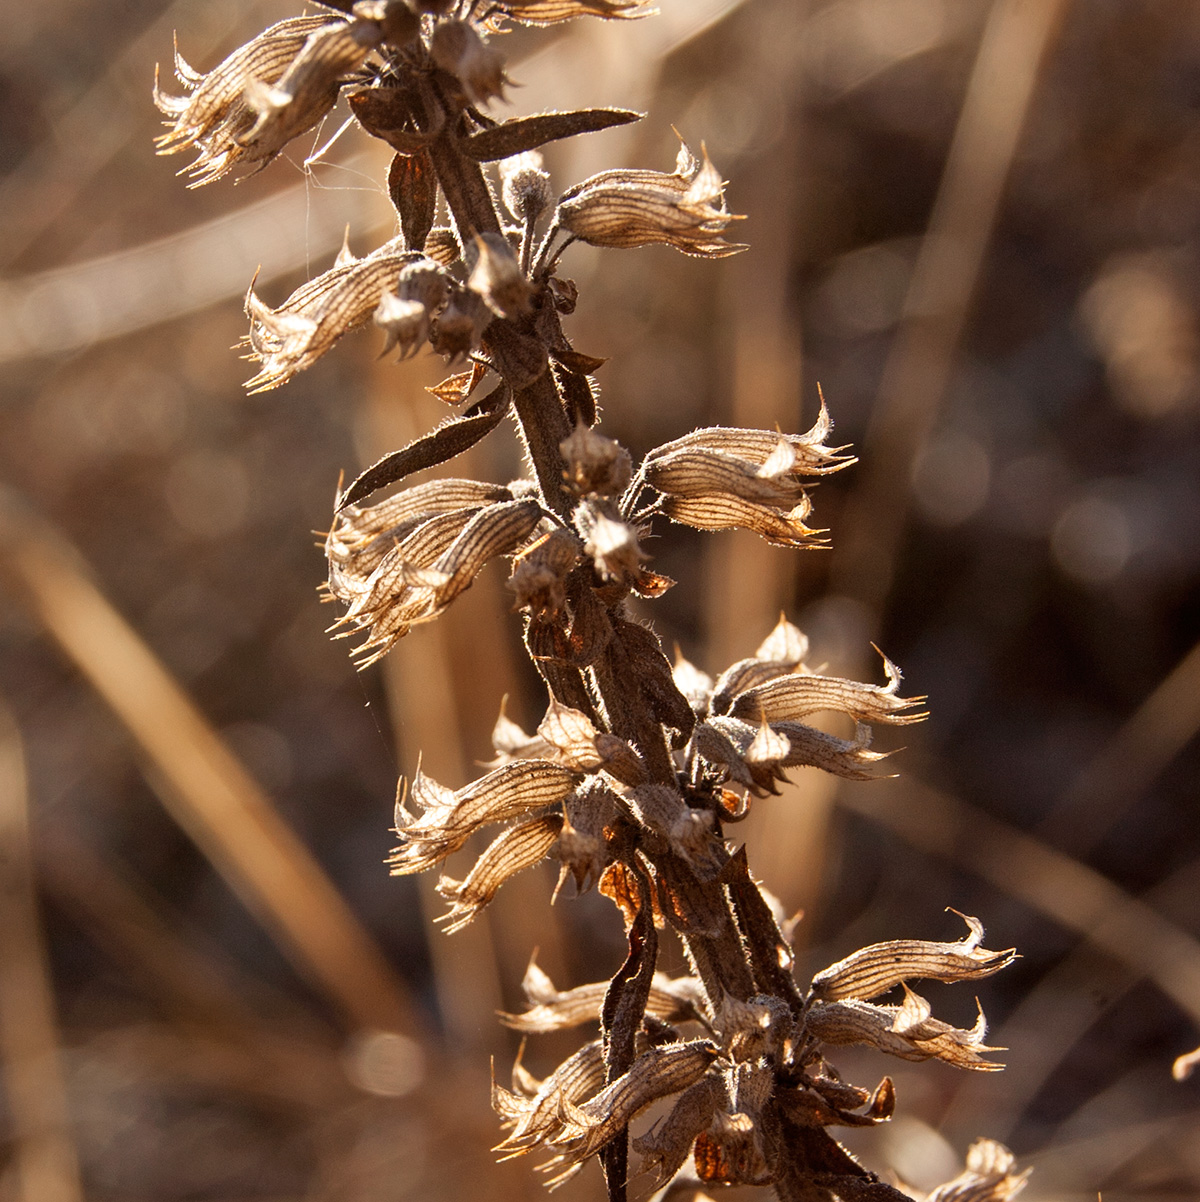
215, 118
797, 695
413, 592
540, 572
550, 1009
988, 1177
611, 543
874, 970
458, 48
626, 208
583, 846
666, 1146
657, 1073
405, 314
519, 847
906, 1031
595, 464
450, 818
497, 277
294, 336
308, 89
458, 329
533, 1117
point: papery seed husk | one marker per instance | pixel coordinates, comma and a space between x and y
519, 847
874, 970
797, 695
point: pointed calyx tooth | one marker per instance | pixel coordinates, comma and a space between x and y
449, 818
520, 846
874, 970
496, 276
595, 464
459, 50
990, 1176
628, 208
294, 336
215, 118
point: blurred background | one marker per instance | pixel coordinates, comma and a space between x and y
974, 223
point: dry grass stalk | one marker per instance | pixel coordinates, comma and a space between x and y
207, 790
638, 766
47, 1168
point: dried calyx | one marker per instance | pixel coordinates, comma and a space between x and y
639, 765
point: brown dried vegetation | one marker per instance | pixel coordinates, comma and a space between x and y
638, 766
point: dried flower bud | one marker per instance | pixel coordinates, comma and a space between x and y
458, 329
627, 208
497, 276
525, 186
457, 48
595, 464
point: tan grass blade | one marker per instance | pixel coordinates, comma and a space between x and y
46, 1162
207, 790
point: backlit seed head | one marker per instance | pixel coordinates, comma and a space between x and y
459, 328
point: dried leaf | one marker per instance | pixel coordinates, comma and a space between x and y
664, 1148
412, 185
451, 438
528, 133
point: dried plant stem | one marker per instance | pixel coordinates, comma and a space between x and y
46, 1163
207, 790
